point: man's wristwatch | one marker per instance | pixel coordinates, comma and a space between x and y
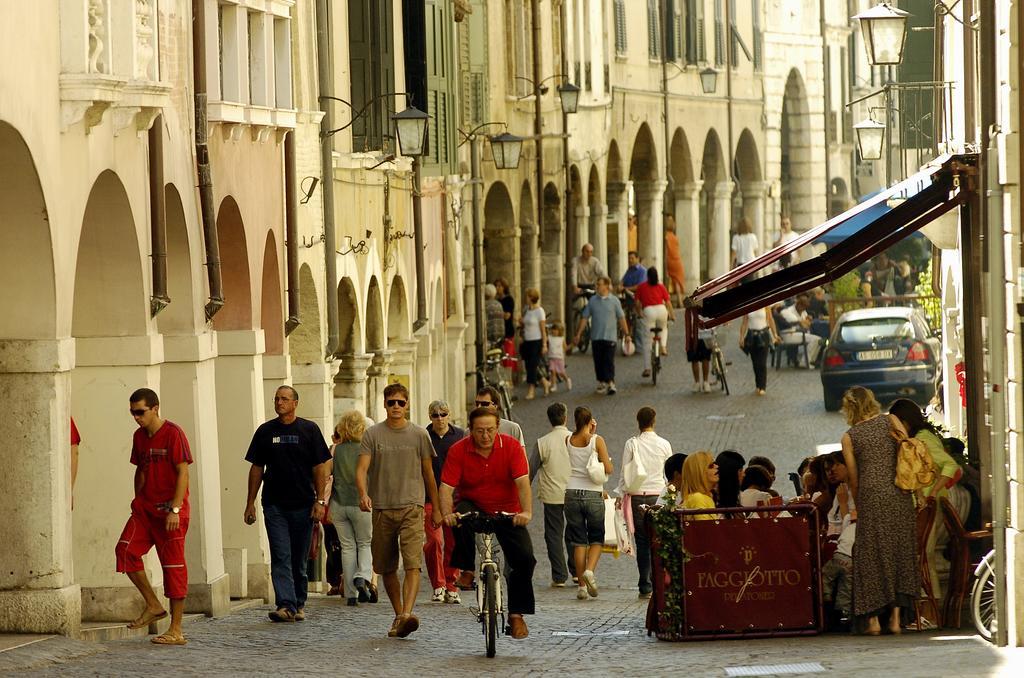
175, 510
322, 502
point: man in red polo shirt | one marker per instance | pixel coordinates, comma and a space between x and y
490, 473
160, 513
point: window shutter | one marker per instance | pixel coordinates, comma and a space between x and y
385, 63
473, 35
677, 30
360, 59
755, 11
653, 30
719, 34
620, 27
439, 95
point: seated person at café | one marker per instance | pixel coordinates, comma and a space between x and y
837, 574
674, 478
756, 481
700, 479
730, 474
817, 308
794, 325
817, 489
842, 504
769, 466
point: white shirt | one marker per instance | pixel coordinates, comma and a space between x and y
652, 450
554, 466
757, 320
556, 347
846, 539
533, 319
745, 247
794, 316
579, 478
750, 496
836, 521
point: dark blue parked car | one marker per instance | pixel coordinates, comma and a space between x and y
890, 350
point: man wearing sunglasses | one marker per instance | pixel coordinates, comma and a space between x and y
394, 468
290, 459
439, 543
488, 397
160, 513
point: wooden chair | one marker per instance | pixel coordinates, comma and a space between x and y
925, 524
960, 566
791, 351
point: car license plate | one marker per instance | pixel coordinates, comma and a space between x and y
875, 355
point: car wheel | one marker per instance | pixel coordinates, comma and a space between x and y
832, 401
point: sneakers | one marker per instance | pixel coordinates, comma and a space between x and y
602, 388
706, 387
438, 596
644, 595
611, 388
645, 374
281, 614
353, 602
300, 614
568, 383
590, 582
581, 593
363, 589
452, 598
558, 584
696, 388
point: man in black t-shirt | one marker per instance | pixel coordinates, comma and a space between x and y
291, 460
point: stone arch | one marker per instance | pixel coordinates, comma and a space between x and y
374, 317
350, 335
838, 197
179, 316
529, 255
304, 343
795, 161
750, 190
271, 311
110, 292
715, 209
682, 162
648, 194
552, 288
26, 259
617, 224
234, 262
500, 251
398, 312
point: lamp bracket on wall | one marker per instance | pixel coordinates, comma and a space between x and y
313, 241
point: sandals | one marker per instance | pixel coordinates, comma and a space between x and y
146, 619
281, 615
168, 639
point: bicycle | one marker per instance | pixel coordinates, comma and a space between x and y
718, 362
489, 599
586, 292
634, 321
655, 354
983, 597
493, 360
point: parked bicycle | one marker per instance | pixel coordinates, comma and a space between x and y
983, 597
655, 354
718, 362
490, 602
491, 373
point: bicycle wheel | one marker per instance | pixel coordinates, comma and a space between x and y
655, 368
718, 365
585, 339
490, 612
983, 601
506, 402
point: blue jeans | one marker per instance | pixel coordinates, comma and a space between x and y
584, 517
289, 532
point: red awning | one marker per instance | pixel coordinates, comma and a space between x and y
947, 184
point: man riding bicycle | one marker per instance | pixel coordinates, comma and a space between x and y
490, 472
586, 269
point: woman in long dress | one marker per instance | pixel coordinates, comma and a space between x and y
885, 572
673, 259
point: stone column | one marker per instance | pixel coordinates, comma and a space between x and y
403, 370
650, 198
581, 222
615, 196
240, 410
599, 238
719, 245
455, 384
107, 370
754, 194
688, 231
39, 592
529, 249
313, 382
376, 380
350, 384
276, 372
188, 386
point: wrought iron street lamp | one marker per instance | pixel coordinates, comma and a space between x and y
569, 95
870, 138
709, 80
506, 149
884, 28
411, 126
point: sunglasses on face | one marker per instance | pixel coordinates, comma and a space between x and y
438, 415
139, 413
484, 403
394, 402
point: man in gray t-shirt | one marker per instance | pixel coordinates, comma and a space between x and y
604, 312
394, 466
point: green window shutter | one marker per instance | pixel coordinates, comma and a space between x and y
360, 60
918, 66
719, 34
620, 27
385, 75
473, 39
440, 87
755, 12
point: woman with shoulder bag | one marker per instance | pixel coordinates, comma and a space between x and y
584, 498
757, 335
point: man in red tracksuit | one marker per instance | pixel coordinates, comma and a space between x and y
160, 513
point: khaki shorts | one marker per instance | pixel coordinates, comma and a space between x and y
394, 531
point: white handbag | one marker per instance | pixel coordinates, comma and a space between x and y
634, 473
595, 469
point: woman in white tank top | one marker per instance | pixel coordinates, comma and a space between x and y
584, 500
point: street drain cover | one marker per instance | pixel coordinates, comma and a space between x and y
588, 634
774, 670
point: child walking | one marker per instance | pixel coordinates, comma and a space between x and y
556, 357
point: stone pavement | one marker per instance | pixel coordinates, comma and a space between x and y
599, 636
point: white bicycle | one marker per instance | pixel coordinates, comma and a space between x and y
490, 601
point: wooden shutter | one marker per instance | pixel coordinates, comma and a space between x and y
385, 65
755, 12
473, 39
360, 33
719, 34
653, 30
440, 91
620, 27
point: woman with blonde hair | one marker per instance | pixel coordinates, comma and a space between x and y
535, 341
700, 477
354, 526
859, 405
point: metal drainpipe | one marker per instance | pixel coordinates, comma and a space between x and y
570, 235
324, 77
417, 231
669, 184
203, 170
291, 233
158, 217
538, 126
826, 63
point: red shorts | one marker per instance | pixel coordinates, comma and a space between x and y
143, 531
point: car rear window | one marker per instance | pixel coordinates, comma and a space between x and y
868, 329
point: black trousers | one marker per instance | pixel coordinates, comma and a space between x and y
604, 360
519, 560
530, 350
759, 359
332, 545
643, 544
